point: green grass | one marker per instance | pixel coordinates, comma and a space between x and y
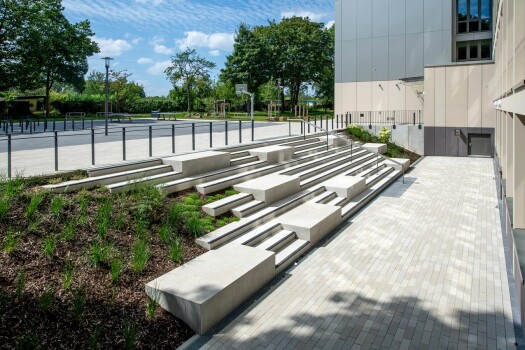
69, 231
36, 200
21, 284
104, 218
176, 249
116, 268
151, 308
140, 255
10, 242
28, 341
57, 205
5, 206
99, 253
130, 335
78, 304
50, 244
68, 274
45, 303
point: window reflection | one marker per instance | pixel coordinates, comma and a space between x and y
473, 15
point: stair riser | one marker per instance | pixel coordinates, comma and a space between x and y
123, 168
292, 259
154, 182
243, 161
283, 243
263, 236
342, 161
246, 212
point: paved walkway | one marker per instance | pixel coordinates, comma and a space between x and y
423, 266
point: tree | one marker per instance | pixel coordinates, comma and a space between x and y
95, 83
324, 80
188, 68
56, 51
122, 90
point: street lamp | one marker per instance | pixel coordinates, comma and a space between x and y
106, 61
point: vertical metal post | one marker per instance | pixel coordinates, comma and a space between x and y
211, 133
308, 126
92, 146
327, 123
9, 155
91, 122
123, 143
350, 118
172, 138
73, 124
83, 124
253, 130
315, 121
414, 118
226, 132
65, 123
332, 121
150, 141
54, 125
30, 127
56, 150
346, 115
289, 128
193, 136
240, 131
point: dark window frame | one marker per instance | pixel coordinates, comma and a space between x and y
468, 45
478, 23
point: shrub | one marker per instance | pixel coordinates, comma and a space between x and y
384, 135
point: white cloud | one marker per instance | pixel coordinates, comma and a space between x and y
144, 60
159, 67
215, 41
159, 47
112, 47
314, 16
215, 53
329, 24
154, 2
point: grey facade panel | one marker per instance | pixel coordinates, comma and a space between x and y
414, 16
433, 19
380, 18
337, 64
414, 55
396, 17
380, 58
364, 19
348, 61
348, 19
447, 14
338, 18
396, 57
364, 59
447, 46
434, 48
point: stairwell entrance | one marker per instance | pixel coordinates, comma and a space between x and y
479, 145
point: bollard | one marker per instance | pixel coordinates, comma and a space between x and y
64, 123
350, 118
240, 131
289, 129
9, 155
226, 132
91, 122
172, 138
253, 131
30, 128
211, 135
150, 141
54, 125
83, 124
56, 150
73, 124
92, 146
193, 136
332, 122
123, 143
326, 125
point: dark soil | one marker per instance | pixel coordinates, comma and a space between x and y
40, 313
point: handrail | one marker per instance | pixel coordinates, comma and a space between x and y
352, 143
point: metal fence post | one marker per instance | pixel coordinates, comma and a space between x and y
211, 133
332, 121
9, 155
350, 118
327, 123
253, 131
172, 138
193, 136
91, 122
226, 132
289, 128
150, 141
92, 146
65, 123
54, 126
30, 128
240, 131
56, 150
123, 143
73, 124
308, 125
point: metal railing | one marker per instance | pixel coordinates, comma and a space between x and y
164, 130
399, 117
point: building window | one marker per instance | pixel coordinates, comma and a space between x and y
473, 15
474, 50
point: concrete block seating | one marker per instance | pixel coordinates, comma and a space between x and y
405, 163
270, 188
198, 163
346, 186
208, 288
336, 141
375, 147
311, 221
273, 154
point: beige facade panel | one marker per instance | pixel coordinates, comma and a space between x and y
456, 96
396, 95
338, 98
519, 40
364, 96
487, 93
475, 84
440, 98
429, 114
519, 172
380, 96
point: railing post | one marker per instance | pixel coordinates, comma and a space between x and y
9, 148
73, 124
315, 121
327, 123
414, 118
240, 131
253, 131
226, 132
303, 129
211, 133
54, 125
123, 143
92, 146
289, 128
83, 124
350, 118
308, 125
56, 150
332, 121
92, 122
65, 123
172, 138
150, 141
193, 136
346, 117
30, 128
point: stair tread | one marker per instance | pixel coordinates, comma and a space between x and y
249, 205
327, 195
275, 239
288, 251
228, 200
146, 178
260, 230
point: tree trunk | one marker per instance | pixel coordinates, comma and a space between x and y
188, 92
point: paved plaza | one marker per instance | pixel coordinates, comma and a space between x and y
423, 266
35, 154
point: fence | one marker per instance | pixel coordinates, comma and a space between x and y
401, 117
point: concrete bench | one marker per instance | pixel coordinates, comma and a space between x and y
375, 147
345, 186
405, 163
198, 163
208, 288
270, 188
273, 154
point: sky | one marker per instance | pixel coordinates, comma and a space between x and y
142, 35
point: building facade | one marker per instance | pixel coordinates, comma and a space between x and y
432, 56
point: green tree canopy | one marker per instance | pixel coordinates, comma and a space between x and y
190, 70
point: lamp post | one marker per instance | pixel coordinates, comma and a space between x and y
106, 61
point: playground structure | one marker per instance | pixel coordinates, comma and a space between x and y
273, 110
301, 111
221, 108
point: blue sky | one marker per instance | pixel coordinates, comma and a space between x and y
142, 35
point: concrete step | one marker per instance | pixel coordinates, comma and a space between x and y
150, 180
243, 160
122, 167
248, 208
372, 169
338, 201
258, 234
239, 154
342, 152
300, 142
277, 241
313, 150
323, 198
206, 187
377, 176
290, 253
308, 146
110, 178
234, 230
347, 158
222, 206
